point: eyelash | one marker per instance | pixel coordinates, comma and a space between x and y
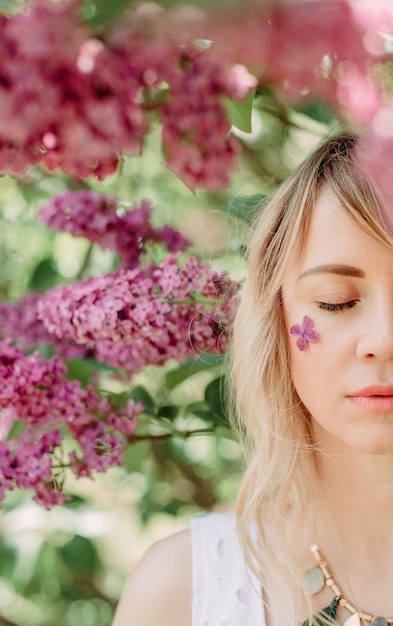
341, 306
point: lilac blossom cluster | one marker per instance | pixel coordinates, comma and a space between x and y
20, 322
142, 295
375, 155
195, 136
128, 319
339, 52
307, 54
145, 316
37, 394
74, 102
95, 216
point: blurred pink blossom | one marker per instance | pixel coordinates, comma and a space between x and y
76, 103
376, 155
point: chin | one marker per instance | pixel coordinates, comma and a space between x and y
378, 448
377, 441
374, 444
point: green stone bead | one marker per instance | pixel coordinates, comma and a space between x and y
379, 621
315, 580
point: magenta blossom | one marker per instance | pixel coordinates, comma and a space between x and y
145, 316
304, 333
37, 393
96, 217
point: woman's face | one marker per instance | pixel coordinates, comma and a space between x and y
344, 283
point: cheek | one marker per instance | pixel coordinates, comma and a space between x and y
314, 372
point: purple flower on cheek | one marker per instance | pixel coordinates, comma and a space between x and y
304, 333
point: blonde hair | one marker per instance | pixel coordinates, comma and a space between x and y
273, 423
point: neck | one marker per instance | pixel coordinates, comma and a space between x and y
357, 493
356, 535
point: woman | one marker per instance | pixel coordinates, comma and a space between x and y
312, 376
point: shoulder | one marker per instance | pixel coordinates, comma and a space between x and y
159, 591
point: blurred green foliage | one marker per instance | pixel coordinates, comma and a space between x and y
99, 13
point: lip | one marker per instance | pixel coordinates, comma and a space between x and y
373, 390
376, 398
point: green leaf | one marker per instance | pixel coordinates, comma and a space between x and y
244, 207
16, 429
239, 112
82, 369
118, 400
46, 351
47, 561
33, 193
205, 415
170, 411
80, 555
190, 367
78, 370
193, 407
44, 276
75, 501
98, 366
7, 6
99, 13
318, 111
214, 398
200, 409
136, 455
9, 559
140, 393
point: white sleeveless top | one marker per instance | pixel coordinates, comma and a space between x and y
225, 591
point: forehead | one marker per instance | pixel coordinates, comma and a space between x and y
335, 237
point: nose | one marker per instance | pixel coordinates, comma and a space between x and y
376, 340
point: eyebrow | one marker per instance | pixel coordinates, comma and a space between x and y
341, 270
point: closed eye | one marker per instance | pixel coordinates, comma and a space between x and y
340, 306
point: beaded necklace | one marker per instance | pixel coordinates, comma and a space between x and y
319, 577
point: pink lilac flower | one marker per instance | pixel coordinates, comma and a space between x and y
357, 93
375, 21
75, 102
20, 321
6, 470
375, 153
153, 315
31, 461
95, 216
298, 50
195, 136
58, 110
42, 399
49, 494
100, 449
304, 333
26, 464
240, 81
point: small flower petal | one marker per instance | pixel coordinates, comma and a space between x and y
302, 343
312, 336
306, 323
296, 330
